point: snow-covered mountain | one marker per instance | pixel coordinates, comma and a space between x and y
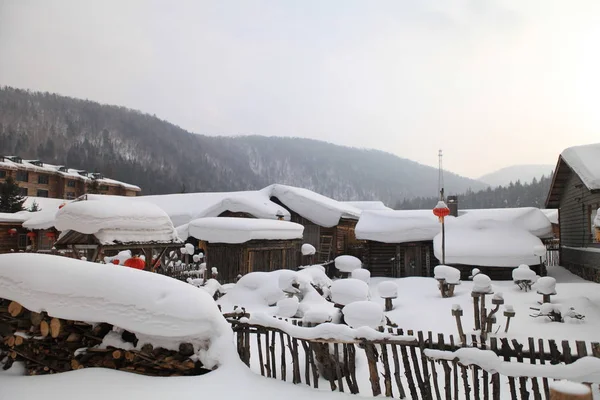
162, 158
514, 173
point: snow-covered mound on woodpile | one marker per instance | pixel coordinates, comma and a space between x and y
363, 313
315, 207
487, 243
240, 230
347, 263
398, 226
528, 218
585, 162
113, 221
346, 291
158, 309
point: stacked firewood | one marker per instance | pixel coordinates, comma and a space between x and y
47, 345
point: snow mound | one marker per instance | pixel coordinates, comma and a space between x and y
530, 219
120, 258
113, 221
482, 284
450, 274
347, 263
240, 230
523, 273
316, 316
567, 387
362, 274
363, 313
155, 307
398, 226
189, 248
43, 219
368, 205
546, 285
288, 281
308, 249
388, 290
346, 291
287, 307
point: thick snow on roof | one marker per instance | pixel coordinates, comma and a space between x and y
240, 230
487, 243
185, 207
551, 214
529, 218
398, 226
141, 302
119, 220
315, 207
16, 218
367, 205
585, 162
45, 218
43, 202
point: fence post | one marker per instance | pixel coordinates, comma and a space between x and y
565, 390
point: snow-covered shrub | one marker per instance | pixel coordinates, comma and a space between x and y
183, 250
524, 277
346, 291
347, 263
556, 312
363, 313
316, 316
196, 258
361, 274
287, 307
308, 249
189, 248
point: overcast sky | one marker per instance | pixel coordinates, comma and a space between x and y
492, 83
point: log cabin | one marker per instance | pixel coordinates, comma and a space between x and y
575, 192
237, 246
13, 237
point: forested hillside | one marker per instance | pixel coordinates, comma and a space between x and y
514, 195
162, 158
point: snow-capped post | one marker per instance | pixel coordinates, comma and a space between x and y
546, 286
457, 313
509, 312
448, 278
388, 291
566, 390
497, 300
347, 264
441, 211
309, 251
482, 285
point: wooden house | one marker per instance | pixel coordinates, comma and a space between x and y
13, 237
237, 246
575, 192
398, 243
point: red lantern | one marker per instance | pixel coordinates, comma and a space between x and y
62, 205
12, 231
115, 261
441, 210
51, 235
135, 262
31, 235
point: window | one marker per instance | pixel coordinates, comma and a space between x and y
22, 191
70, 195
42, 193
22, 176
44, 242
595, 224
43, 179
2, 174
70, 183
23, 242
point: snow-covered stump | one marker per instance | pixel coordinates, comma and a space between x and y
566, 390
546, 286
448, 278
509, 312
388, 291
347, 264
308, 253
482, 286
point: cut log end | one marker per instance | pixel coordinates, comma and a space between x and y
15, 309
55, 327
44, 328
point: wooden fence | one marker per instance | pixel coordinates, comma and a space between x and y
400, 368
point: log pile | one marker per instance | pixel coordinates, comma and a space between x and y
48, 345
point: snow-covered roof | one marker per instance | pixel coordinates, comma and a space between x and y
65, 172
529, 218
17, 218
487, 243
398, 226
43, 202
585, 162
117, 221
240, 230
367, 205
315, 207
551, 214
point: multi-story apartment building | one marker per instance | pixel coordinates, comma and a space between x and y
36, 178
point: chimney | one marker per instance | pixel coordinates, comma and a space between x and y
453, 205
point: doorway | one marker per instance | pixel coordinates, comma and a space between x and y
412, 261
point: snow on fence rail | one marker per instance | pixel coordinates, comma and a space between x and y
416, 365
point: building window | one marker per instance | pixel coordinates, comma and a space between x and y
42, 193
23, 191
595, 224
70, 183
2, 174
23, 242
70, 195
44, 242
22, 176
43, 179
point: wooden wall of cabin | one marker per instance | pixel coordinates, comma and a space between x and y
12, 243
394, 260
